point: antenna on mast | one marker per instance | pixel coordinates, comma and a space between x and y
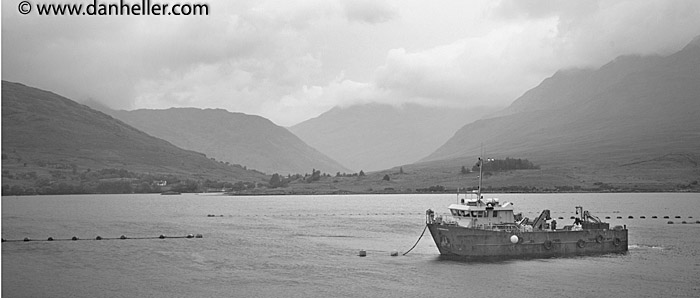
478, 193
481, 166
481, 170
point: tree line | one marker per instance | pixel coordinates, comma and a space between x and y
508, 164
277, 180
112, 181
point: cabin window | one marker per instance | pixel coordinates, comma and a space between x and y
495, 213
454, 212
480, 214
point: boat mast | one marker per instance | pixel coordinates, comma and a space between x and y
481, 165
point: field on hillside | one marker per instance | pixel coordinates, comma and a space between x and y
547, 179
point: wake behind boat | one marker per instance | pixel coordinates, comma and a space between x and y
479, 229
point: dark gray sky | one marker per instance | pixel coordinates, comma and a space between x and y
291, 60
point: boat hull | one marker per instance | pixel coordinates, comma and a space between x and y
480, 244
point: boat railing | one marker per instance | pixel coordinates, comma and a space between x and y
448, 219
431, 218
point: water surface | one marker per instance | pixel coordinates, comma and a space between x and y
307, 246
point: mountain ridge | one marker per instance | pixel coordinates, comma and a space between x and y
632, 108
377, 136
239, 138
43, 131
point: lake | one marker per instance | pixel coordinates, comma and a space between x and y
307, 246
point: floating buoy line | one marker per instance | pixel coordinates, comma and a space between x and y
395, 253
122, 237
317, 214
301, 215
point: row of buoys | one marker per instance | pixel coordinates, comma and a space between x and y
670, 222
316, 215
405, 213
386, 214
631, 217
363, 253
122, 237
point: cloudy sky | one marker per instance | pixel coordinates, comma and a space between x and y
291, 60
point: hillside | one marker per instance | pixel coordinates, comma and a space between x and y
237, 138
51, 138
373, 137
634, 120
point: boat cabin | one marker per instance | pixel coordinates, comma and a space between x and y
475, 212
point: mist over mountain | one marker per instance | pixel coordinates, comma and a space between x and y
45, 133
378, 136
237, 138
635, 112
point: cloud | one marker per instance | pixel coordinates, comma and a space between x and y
529, 41
489, 70
593, 32
292, 60
237, 84
545, 8
129, 61
369, 11
311, 101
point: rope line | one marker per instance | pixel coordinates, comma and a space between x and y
414, 245
188, 236
554, 215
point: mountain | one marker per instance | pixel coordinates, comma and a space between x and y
378, 136
634, 114
45, 133
249, 140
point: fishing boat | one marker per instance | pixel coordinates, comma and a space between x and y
486, 229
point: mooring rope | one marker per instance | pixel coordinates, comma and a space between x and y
414, 245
